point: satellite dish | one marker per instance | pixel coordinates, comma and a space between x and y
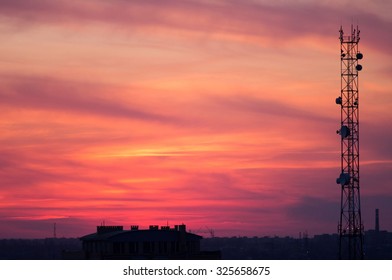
344, 131
359, 55
343, 179
358, 67
338, 100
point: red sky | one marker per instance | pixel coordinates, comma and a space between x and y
211, 113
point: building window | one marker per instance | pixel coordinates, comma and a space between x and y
133, 247
173, 247
119, 248
146, 247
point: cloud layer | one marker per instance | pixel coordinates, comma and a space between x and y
217, 113
249, 18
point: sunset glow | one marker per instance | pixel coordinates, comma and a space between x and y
212, 113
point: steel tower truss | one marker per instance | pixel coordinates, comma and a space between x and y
350, 226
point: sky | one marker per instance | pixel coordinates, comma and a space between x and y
217, 114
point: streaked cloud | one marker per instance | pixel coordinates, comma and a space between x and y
279, 23
217, 113
56, 95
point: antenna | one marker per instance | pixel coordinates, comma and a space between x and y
54, 231
207, 230
350, 226
211, 232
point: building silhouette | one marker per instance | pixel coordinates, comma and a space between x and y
113, 242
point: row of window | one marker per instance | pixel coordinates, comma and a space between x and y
146, 247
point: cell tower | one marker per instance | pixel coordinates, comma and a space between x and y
350, 226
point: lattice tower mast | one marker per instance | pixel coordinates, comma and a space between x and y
350, 226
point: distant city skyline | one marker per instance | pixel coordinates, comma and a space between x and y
217, 114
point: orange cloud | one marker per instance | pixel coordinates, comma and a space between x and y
219, 114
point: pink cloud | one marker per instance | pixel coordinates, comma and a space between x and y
223, 153
279, 23
65, 96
